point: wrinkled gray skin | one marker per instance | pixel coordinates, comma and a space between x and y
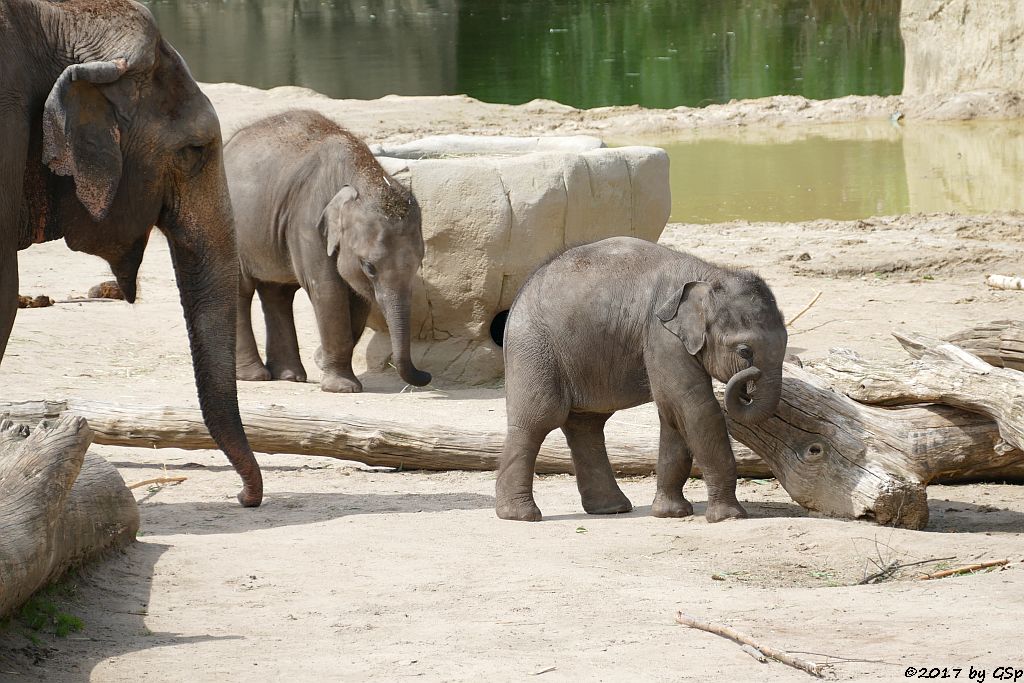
104, 134
315, 210
620, 322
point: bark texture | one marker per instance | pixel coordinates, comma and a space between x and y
999, 343
59, 505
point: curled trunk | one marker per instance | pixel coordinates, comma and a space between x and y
756, 404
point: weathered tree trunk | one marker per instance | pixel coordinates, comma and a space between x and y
372, 442
832, 454
59, 505
944, 373
999, 343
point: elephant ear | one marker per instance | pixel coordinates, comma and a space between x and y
332, 223
81, 137
684, 314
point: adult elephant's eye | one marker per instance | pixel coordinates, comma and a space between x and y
368, 268
744, 351
192, 158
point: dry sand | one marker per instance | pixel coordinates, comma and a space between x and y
347, 573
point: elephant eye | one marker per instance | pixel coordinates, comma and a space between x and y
193, 158
744, 351
368, 268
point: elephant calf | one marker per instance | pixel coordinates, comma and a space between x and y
614, 324
314, 209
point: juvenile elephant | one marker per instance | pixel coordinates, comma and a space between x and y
616, 323
315, 210
104, 134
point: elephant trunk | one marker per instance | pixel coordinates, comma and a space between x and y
757, 404
396, 312
202, 243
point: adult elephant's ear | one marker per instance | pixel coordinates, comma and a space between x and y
81, 137
683, 314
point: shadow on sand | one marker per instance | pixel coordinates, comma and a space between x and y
111, 597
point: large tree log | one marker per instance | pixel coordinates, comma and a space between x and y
999, 343
944, 373
373, 442
59, 505
832, 455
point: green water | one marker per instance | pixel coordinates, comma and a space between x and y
656, 53
848, 172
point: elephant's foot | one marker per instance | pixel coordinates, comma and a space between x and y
249, 498
719, 511
288, 373
252, 372
520, 509
340, 384
610, 503
671, 506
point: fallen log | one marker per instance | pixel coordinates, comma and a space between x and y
59, 505
272, 429
943, 373
999, 343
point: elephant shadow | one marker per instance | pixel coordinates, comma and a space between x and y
295, 508
754, 510
111, 598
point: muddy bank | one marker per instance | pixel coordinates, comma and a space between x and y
397, 119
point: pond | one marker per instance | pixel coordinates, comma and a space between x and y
655, 53
847, 172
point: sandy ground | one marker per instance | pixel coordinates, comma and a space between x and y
350, 573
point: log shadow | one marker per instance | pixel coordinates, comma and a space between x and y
111, 597
949, 516
290, 509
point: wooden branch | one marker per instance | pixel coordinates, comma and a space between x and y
1004, 282
157, 480
804, 310
999, 343
373, 442
944, 374
59, 505
964, 570
744, 639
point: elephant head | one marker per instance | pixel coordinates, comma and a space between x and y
129, 141
733, 326
377, 239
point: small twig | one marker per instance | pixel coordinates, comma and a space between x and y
158, 480
544, 671
743, 639
805, 309
755, 653
964, 570
894, 567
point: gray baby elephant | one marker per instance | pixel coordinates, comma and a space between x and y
610, 325
314, 209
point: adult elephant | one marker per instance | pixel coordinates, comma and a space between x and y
104, 134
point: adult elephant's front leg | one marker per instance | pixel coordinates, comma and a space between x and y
707, 437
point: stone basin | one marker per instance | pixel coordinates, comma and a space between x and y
494, 208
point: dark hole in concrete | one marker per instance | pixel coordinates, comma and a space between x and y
498, 328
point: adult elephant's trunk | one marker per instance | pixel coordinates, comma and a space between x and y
751, 406
202, 241
395, 307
